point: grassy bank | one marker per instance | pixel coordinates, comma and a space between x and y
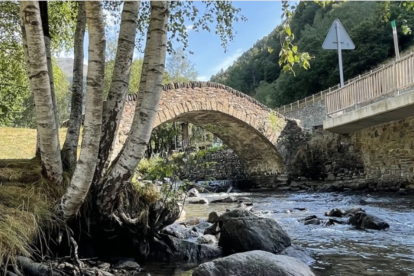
20, 143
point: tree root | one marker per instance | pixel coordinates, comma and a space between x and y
74, 253
32, 268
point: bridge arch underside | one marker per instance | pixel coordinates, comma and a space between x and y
255, 149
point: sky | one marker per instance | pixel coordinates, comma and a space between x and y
209, 56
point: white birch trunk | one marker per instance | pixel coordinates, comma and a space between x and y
82, 177
40, 85
134, 149
45, 25
119, 86
69, 151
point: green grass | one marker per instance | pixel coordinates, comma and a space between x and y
20, 143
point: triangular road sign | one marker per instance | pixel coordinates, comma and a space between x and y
331, 40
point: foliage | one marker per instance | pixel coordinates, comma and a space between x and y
179, 68
289, 54
62, 22
62, 92
136, 68
16, 100
163, 139
14, 84
155, 168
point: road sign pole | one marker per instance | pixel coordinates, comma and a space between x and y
394, 34
338, 39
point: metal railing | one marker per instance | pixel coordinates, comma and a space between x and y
390, 77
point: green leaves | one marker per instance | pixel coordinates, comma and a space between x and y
289, 55
222, 13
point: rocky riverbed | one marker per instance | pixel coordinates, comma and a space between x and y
337, 249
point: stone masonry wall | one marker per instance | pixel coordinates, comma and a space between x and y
309, 116
220, 165
388, 153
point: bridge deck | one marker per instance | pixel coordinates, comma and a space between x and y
391, 109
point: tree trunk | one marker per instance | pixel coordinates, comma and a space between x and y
83, 175
119, 85
40, 85
69, 151
46, 33
136, 143
26, 55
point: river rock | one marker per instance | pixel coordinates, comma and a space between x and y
179, 231
193, 193
193, 252
126, 264
242, 231
201, 227
207, 239
197, 200
299, 253
362, 220
254, 263
228, 199
336, 212
241, 206
191, 221
245, 200
213, 217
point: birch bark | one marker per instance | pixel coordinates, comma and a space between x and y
69, 150
119, 85
83, 175
40, 85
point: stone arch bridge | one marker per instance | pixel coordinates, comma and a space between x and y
248, 127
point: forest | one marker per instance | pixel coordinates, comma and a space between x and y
257, 72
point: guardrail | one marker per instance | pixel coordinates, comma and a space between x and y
390, 77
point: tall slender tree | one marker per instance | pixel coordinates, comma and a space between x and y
85, 167
119, 85
70, 146
135, 146
40, 85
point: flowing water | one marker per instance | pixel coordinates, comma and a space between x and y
339, 250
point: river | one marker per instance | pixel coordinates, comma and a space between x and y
339, 250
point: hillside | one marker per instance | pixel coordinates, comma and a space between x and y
257, 72
66, 64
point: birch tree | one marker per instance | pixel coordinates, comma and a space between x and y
69, 150
119, 85
82, 177
40, 85
135, 145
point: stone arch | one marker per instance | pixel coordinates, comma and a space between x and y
248, 127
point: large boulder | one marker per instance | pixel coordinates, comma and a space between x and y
242, 231
254, 263
193, 252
